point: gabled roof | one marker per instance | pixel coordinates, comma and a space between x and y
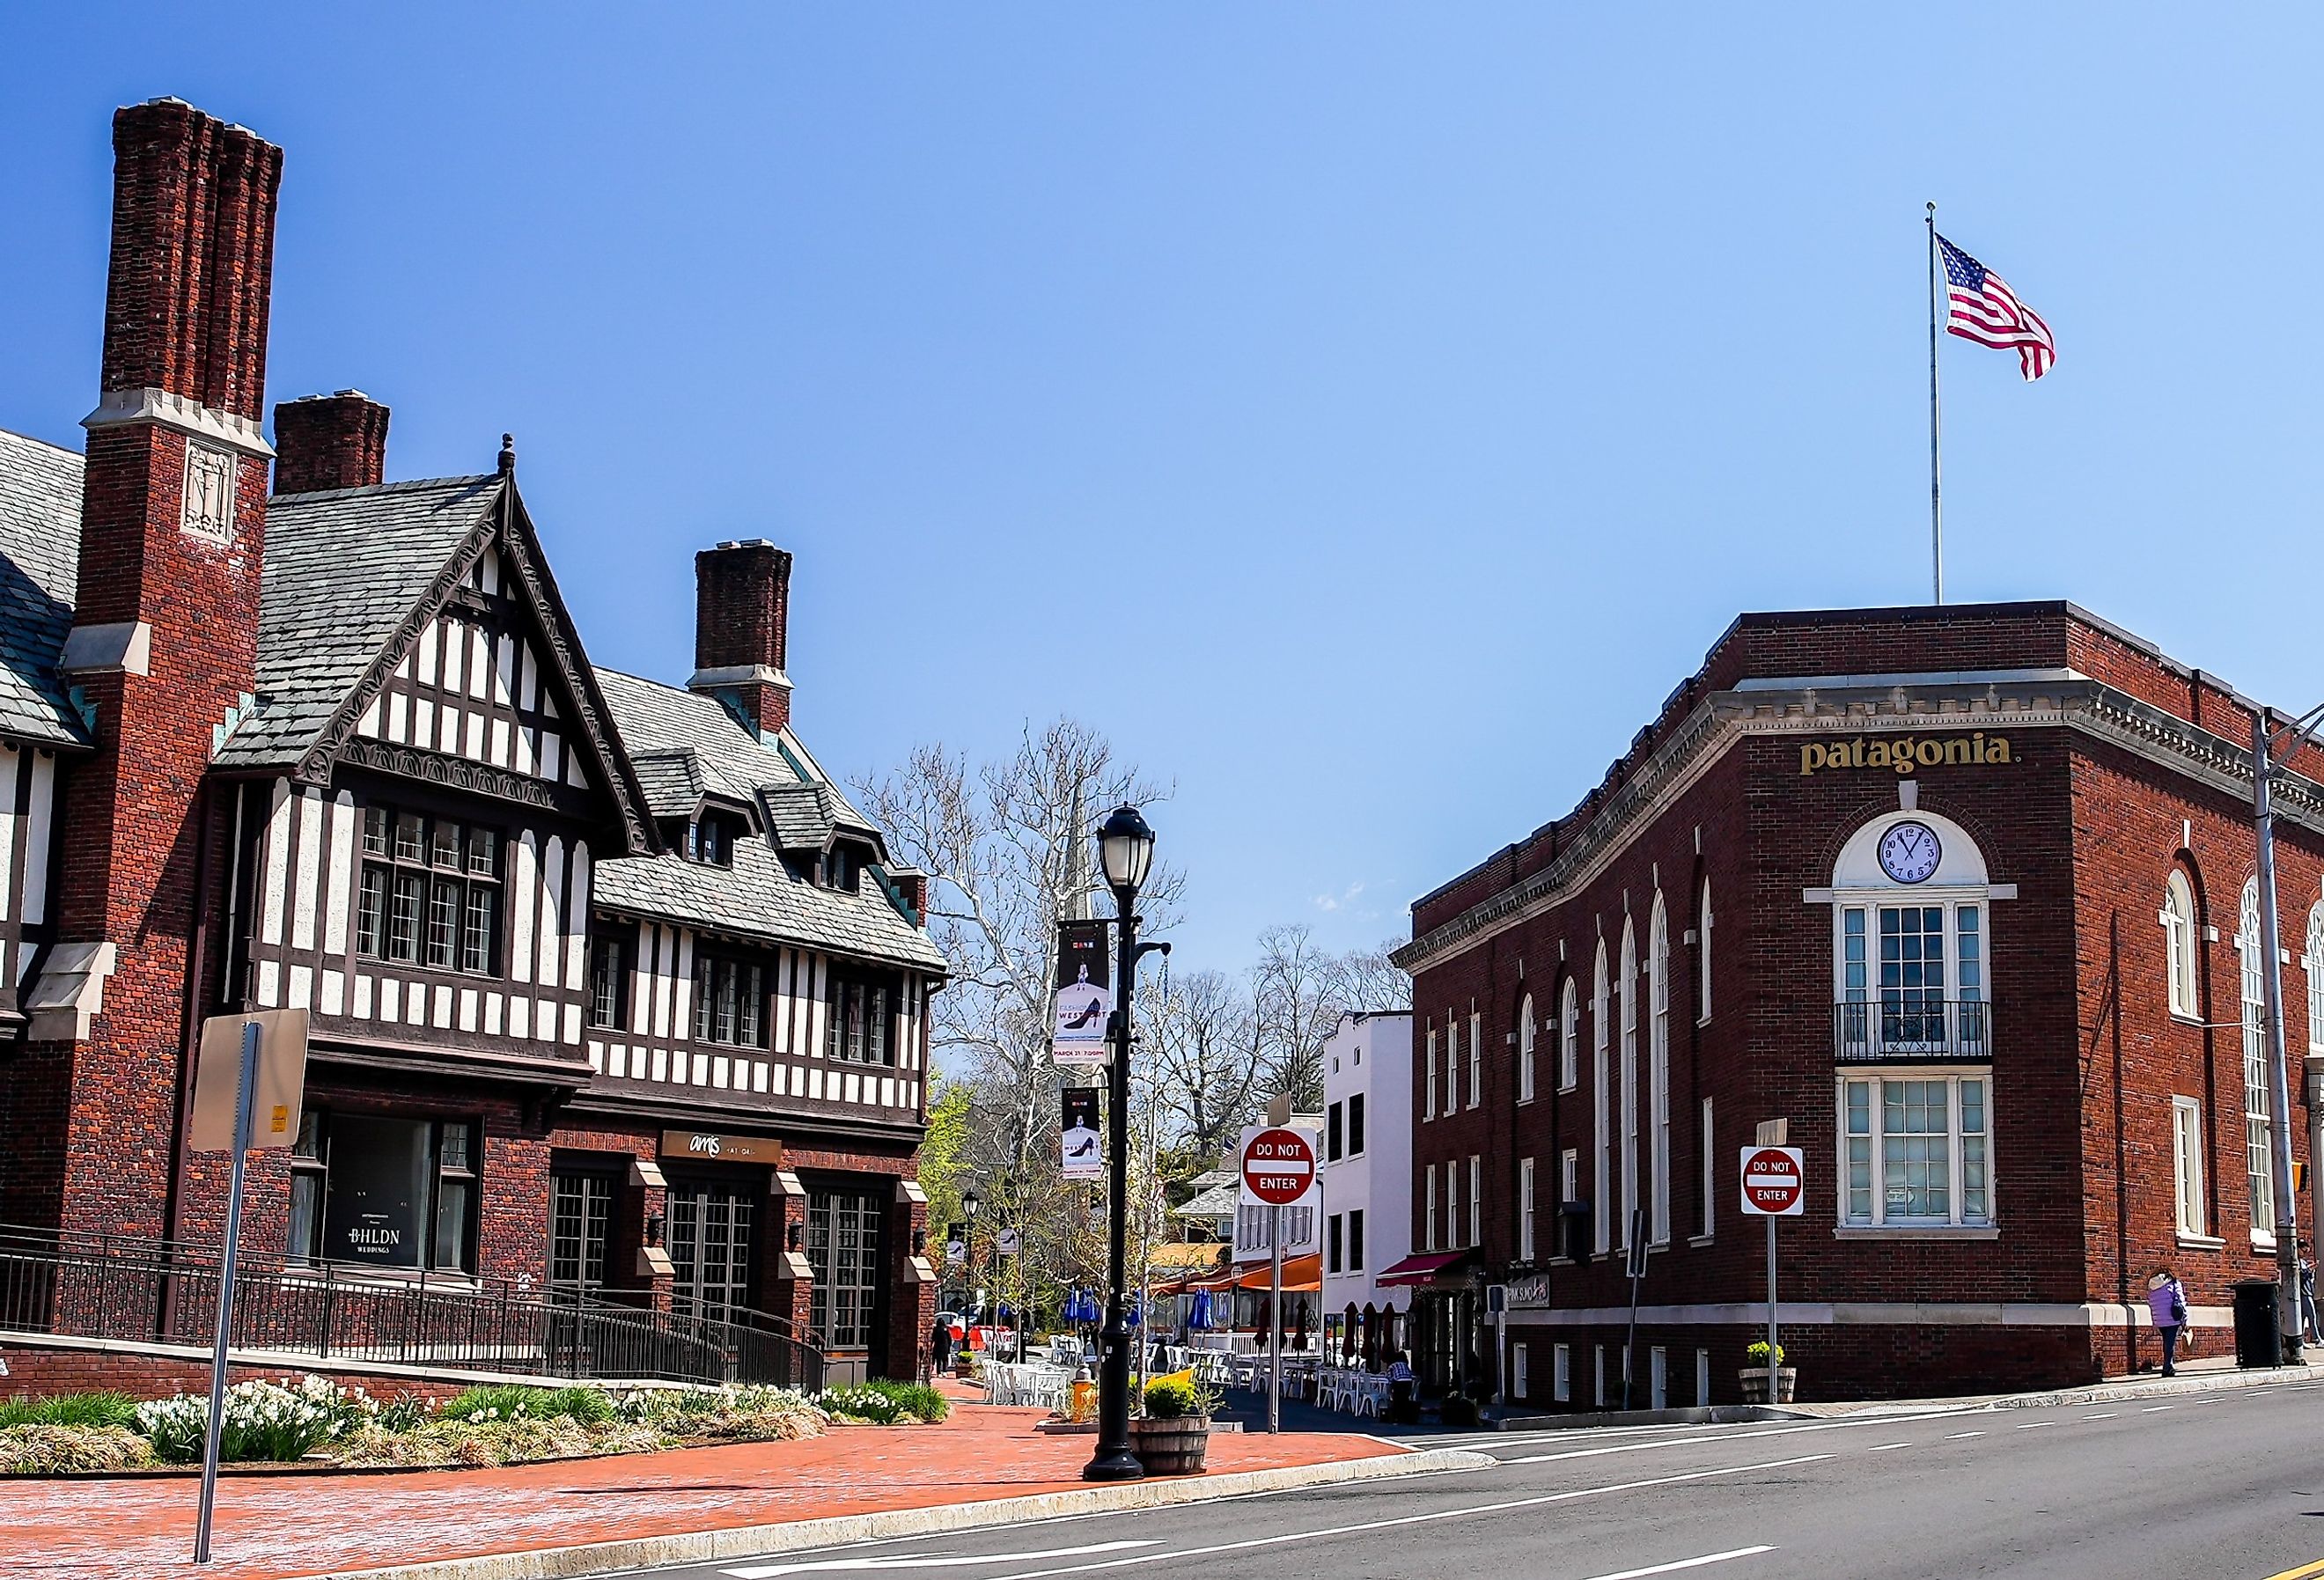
691, 739
346, 570
40, 555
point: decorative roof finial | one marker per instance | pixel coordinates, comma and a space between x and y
508, 455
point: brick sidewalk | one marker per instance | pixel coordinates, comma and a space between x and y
278, 1525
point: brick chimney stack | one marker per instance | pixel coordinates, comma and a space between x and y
329, 442
742, 609
164, 641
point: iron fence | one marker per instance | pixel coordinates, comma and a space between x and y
101, 1287
1907, 1028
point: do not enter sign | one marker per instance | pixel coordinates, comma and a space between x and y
1774, 1182
1279, 1166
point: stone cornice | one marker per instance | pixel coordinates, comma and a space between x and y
159, 407
1888, 705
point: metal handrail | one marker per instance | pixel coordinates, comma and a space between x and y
89, 1287
1910, 1028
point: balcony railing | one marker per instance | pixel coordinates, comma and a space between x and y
156, 1291
1906, 1029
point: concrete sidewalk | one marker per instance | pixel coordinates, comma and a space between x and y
985, 1465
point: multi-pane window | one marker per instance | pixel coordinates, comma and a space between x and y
2178, 955
1452, 1063
430, 893
1917, 1150
1430, 1111
1525, 1050
1710, 1172
2187, 1163
1569, 1039
1703, 955
1628, 988
842, 1247
1453, 1204
1525, 1209
1476, 1059
1604, 1165
607, 981
1476, 1201
579, 1207
1658, 990
710, 1251
2314, 960
456, 1196
729, 1001
1919, 972
1428, 1224
2257, 1120
858, 1007
385, 1192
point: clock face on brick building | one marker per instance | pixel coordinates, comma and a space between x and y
1909, 853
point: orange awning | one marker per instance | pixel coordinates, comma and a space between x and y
1300, 1275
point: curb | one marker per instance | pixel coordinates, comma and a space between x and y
745, 1541
2090, 1393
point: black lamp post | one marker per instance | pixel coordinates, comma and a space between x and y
1126, 849
969, 1202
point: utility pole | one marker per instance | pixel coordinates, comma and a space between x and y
2266, 743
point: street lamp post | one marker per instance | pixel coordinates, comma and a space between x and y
2268, 747
1126, 849
969, 1203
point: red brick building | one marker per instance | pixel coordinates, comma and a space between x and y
1965, 895
613, 993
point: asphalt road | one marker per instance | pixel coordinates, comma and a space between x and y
2215, 1487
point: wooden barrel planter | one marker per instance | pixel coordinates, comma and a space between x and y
1170, 1445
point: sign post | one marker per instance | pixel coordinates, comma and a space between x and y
1635, 1264
1278, 1167
1775, 1185
230, 1079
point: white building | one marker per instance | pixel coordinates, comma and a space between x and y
1367, 1167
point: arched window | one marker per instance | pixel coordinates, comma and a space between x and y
1599, 1095
1569, 1039
1658, 996
2257, 1123
1525, 1050
1703, 955
2315, 964
2179, 944
1627, 985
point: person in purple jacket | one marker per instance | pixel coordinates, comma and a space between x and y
2166, 1302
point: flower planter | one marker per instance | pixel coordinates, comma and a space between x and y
1170, 1445
1755, 1385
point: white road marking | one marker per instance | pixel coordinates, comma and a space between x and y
1468, 1512
2103, 1415
1683, 1564
1721, 1437
924, 1561
2150, 1409
1956, 1437
1884, 1447
2030, 1425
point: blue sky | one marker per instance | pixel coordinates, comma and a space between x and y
1365, 414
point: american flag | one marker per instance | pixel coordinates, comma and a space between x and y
1985, 311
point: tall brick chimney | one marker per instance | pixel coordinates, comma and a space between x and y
742, 609
163, 642
329, 442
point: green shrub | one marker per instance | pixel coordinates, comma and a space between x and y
1757, 1353
71, 1409
513, 1401
1172, 1400
407, 1412
883, 1403
39, 1449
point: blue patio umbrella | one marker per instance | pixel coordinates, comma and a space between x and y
1202, 1316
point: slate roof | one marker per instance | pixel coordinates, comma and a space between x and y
343, 567
757, 897
673, 787
40, 555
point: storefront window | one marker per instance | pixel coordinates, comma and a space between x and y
579, 1206
842, 1247
382, 1192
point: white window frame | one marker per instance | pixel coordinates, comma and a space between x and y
1603, 1166
1524, 1210
1476, 1199
1476, 1058
2187, 1168
2179, 949
1428, 1234
1877, 1216
1569, 1038
1524, 1049
1429, 1112
1952, 900
1703, 959
1452, 1204
1658, 997
1452, 1063
2313, 963
1560, 1373
1628, 990
1709, 1173
2259, 1171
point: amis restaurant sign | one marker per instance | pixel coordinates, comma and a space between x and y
1904, 753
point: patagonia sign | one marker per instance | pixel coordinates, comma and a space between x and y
1904, 753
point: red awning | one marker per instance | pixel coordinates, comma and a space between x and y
1420, 1269
1301, 1274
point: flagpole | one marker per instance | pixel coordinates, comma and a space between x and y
1936, 453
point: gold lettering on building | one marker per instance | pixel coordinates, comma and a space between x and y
1904, 753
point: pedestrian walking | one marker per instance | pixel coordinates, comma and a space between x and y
2166, 1302
940, 1343
2308, 1323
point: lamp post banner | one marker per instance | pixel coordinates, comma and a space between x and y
1078, 1036
1078, 1136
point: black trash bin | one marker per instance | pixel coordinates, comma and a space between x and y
2259, 1341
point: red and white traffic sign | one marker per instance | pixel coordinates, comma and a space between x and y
1774, 1182
1278, 1167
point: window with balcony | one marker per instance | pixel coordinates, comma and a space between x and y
1911, 945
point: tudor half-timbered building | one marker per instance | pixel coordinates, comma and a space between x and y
612, 994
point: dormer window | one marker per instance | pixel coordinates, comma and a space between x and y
707, 839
